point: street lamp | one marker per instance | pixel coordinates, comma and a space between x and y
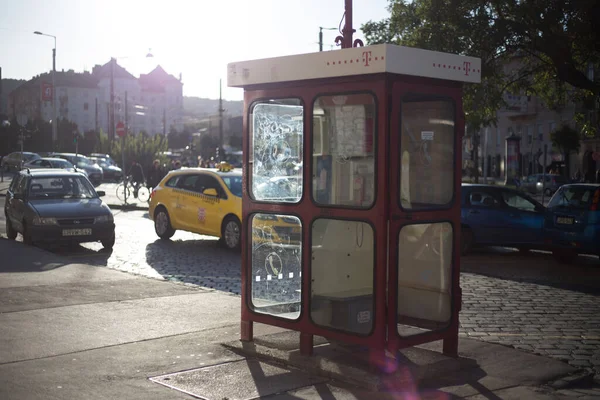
321, 36
54, 119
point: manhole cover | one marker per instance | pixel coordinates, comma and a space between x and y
238, 380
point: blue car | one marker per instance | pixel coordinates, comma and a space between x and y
499, 216
572, 224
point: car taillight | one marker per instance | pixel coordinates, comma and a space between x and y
595, 201
152, 193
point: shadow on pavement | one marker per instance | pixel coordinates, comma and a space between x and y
27, 258
74, 251
203, 262
535, 267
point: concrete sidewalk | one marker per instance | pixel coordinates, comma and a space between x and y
70, 331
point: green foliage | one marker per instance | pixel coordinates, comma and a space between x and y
554, 41
566, 139
141, 148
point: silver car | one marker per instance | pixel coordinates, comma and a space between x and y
535, 183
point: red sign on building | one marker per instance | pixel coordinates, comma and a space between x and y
46, 92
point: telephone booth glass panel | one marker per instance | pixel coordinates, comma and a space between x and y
342, 273
427, 148
424, 277
276, 150
343, 150
276, 278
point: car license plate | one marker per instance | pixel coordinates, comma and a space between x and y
564, 220
76, 232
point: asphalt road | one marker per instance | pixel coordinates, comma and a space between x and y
526, 301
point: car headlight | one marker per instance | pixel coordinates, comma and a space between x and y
103, 219
44, 221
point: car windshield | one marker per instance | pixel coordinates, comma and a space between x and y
234, 183
61, 187
578, 197
81, 161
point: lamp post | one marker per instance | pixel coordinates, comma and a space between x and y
54, 120
321, 36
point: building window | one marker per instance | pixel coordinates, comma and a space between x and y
551, 127
498, 137
529, 134
519, 130
540, 131
86, 106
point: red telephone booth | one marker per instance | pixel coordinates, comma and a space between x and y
351, 199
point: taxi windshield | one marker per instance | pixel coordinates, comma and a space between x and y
234, 183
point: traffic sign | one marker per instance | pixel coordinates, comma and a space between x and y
120, 129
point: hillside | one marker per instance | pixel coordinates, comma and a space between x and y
198, 108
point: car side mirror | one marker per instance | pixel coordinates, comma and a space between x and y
101, 193
210, 192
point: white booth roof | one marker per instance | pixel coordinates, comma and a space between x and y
355, 61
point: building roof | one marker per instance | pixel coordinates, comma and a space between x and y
103, 71
382, 58
157, 79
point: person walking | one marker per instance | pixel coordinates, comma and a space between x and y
155, 174
137, 177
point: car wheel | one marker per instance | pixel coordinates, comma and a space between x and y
26, 235
467, 240
108, 243
11, 233
231, 233
162, 224
564, 256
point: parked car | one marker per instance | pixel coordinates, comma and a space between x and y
535, 183
13, 161
107, 157
49, 162
499, 216
572, 224
57, 206
109, 170
92, 169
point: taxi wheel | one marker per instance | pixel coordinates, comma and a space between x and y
162, 224
11, 233
231, 233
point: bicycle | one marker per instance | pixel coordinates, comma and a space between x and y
126, 189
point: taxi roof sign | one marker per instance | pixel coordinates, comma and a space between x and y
356, 61
224, 166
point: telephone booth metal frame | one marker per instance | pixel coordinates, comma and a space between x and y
397, 185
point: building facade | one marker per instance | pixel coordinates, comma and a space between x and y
152, 103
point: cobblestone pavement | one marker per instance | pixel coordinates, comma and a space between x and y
526, 301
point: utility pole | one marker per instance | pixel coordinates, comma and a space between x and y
165, 121
111, 113
321, 36
126, 115
220, 121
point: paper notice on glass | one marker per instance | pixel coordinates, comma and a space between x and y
426, 135
349, 131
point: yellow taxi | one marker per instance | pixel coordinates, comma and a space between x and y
199, 200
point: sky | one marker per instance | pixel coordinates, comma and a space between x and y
196, 38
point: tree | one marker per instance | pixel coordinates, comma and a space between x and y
566, 140
141, 147
554, 40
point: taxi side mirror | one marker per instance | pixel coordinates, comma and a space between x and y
210, 192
